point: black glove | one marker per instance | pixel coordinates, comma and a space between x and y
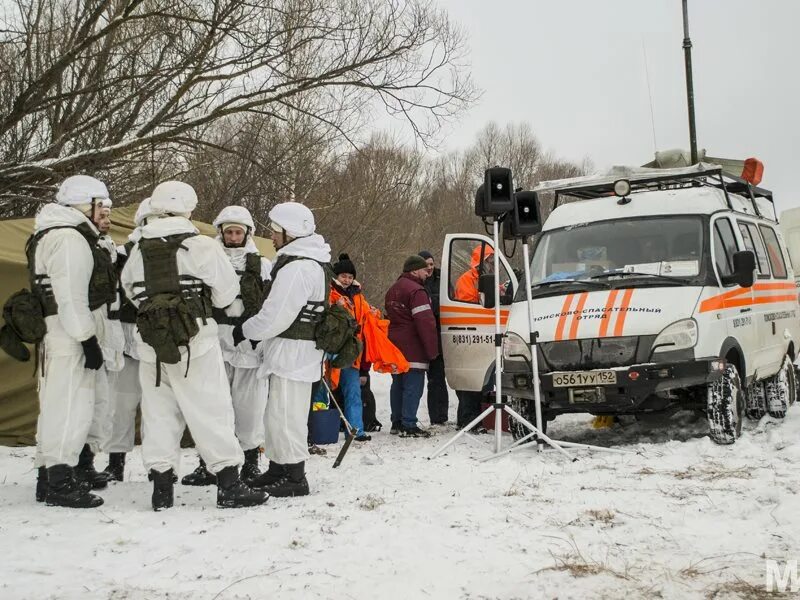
92, 353
238, 336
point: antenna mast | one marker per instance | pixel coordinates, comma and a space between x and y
687, 52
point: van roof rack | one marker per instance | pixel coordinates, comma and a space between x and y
643, 179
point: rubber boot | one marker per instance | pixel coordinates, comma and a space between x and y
163, 489
293, 483
270, 477
233, 493
250, 468
63, 490
85, 471
115, 471
200, 476
41, 484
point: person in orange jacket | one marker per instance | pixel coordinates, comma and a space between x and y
467, 285
346, 292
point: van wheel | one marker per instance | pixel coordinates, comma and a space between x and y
725, 406
781, 390
527, 410
756, 401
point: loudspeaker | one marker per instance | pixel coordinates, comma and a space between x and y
525, 219
496, 195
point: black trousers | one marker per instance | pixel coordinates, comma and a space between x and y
438, 401
469, 407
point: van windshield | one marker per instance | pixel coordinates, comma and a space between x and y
629, 253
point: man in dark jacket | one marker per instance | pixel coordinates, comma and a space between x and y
437, 386
412, 328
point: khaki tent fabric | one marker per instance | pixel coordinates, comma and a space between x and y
18, 401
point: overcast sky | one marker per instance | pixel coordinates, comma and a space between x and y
575, 70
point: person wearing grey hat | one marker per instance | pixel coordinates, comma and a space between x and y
412, 328
438, 400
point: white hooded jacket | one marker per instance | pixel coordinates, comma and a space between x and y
203, 259
295, 285
64, 256
242, 356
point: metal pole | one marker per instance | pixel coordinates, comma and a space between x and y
498, 340
687, 52
532, 342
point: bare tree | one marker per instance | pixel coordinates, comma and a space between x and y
94, 85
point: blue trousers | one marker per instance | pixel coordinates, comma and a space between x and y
350, 386
405, 395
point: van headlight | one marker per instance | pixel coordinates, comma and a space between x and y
677, 336
515, 348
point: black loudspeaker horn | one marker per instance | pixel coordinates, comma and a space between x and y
496, 195
525, 220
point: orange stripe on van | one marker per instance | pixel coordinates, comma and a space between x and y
608, 313
576, 321
562, 320
623, 312
736, 298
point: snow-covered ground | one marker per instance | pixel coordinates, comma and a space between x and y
677, 517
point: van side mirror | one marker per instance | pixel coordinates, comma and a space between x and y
486, 290
744, 269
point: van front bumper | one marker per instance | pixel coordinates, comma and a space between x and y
635, 389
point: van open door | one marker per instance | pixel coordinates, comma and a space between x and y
468, 327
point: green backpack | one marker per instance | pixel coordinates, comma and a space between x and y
333, 329
171, 303
25, 311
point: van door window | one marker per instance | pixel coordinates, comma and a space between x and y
469, 259
754, 243
724, 246
774, 252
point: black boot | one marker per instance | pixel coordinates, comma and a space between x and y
233, 493
270, 477
163, 489
63, 490
200, 476
41, 484
250, 468
115, 471
85, 471
293, 483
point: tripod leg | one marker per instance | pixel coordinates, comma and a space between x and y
469, 426
539, 433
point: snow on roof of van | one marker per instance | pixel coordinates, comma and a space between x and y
621, 172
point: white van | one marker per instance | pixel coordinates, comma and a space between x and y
790, 227
677, 294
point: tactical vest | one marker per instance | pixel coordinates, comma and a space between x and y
161, 275
251, 291
305, 325
127, 310
103, 281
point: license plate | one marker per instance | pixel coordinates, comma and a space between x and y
584, 378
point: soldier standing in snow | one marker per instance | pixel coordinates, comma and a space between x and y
73, 279
126, 394
249, 392
286, 325
175, 277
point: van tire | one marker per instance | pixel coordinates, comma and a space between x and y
527, 410
781, 390
725, 407
756, 401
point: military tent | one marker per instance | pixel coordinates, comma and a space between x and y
18, 402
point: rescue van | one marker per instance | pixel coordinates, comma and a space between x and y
653, 290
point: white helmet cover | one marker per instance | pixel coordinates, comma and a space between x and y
294, 218
173, 197
81, 189
235, 214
